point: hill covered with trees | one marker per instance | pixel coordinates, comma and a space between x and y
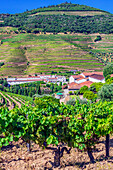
65, 17
78, 39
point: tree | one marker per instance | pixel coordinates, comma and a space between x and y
106, 92
89, 95
70, 92
109, 80
38, 90
25, 92
83, 89
108, 69
95, 87
98, 38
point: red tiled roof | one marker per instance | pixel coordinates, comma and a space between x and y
86, 83
77, 76
90, 73
81, 78
73, 86
96, 76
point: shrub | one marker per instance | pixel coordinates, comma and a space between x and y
106, 92
70, 92
82, 101
83, 89
89, 95
95, 87
98, 38
71, 102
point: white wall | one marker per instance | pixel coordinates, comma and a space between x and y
96, 80
71, 79
80, 81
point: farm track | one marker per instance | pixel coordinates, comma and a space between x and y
9, 102
19, 104
19, 100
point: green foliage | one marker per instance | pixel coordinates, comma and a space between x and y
26, 22
108, 69
71, 102
106, 92
70, 92
26, 89
98, 38
83, 89
79, 126
109, 80
82, 101
1, 64
89, 95
45, 101
95, 87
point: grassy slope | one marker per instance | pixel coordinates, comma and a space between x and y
46, 53
67, 8
80, 13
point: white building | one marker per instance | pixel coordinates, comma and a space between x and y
61, 79
45, 78
97, 78
14, 82
77, 79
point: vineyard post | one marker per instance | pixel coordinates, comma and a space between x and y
107, 145
28, 144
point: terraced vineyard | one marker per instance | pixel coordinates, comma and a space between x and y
29, 53
80, 13
13, 100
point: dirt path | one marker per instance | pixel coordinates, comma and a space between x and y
9, 102
19, 100
19, 104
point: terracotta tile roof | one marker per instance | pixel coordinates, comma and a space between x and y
90, 73
73, 86
98, 77
86, 83
87, 74
81, 78
77, 76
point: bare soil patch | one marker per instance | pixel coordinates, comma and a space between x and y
15, 156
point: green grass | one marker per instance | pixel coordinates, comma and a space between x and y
80, 13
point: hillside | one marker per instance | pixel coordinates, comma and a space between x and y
68, 9
64, 18
30, 53
55, 38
